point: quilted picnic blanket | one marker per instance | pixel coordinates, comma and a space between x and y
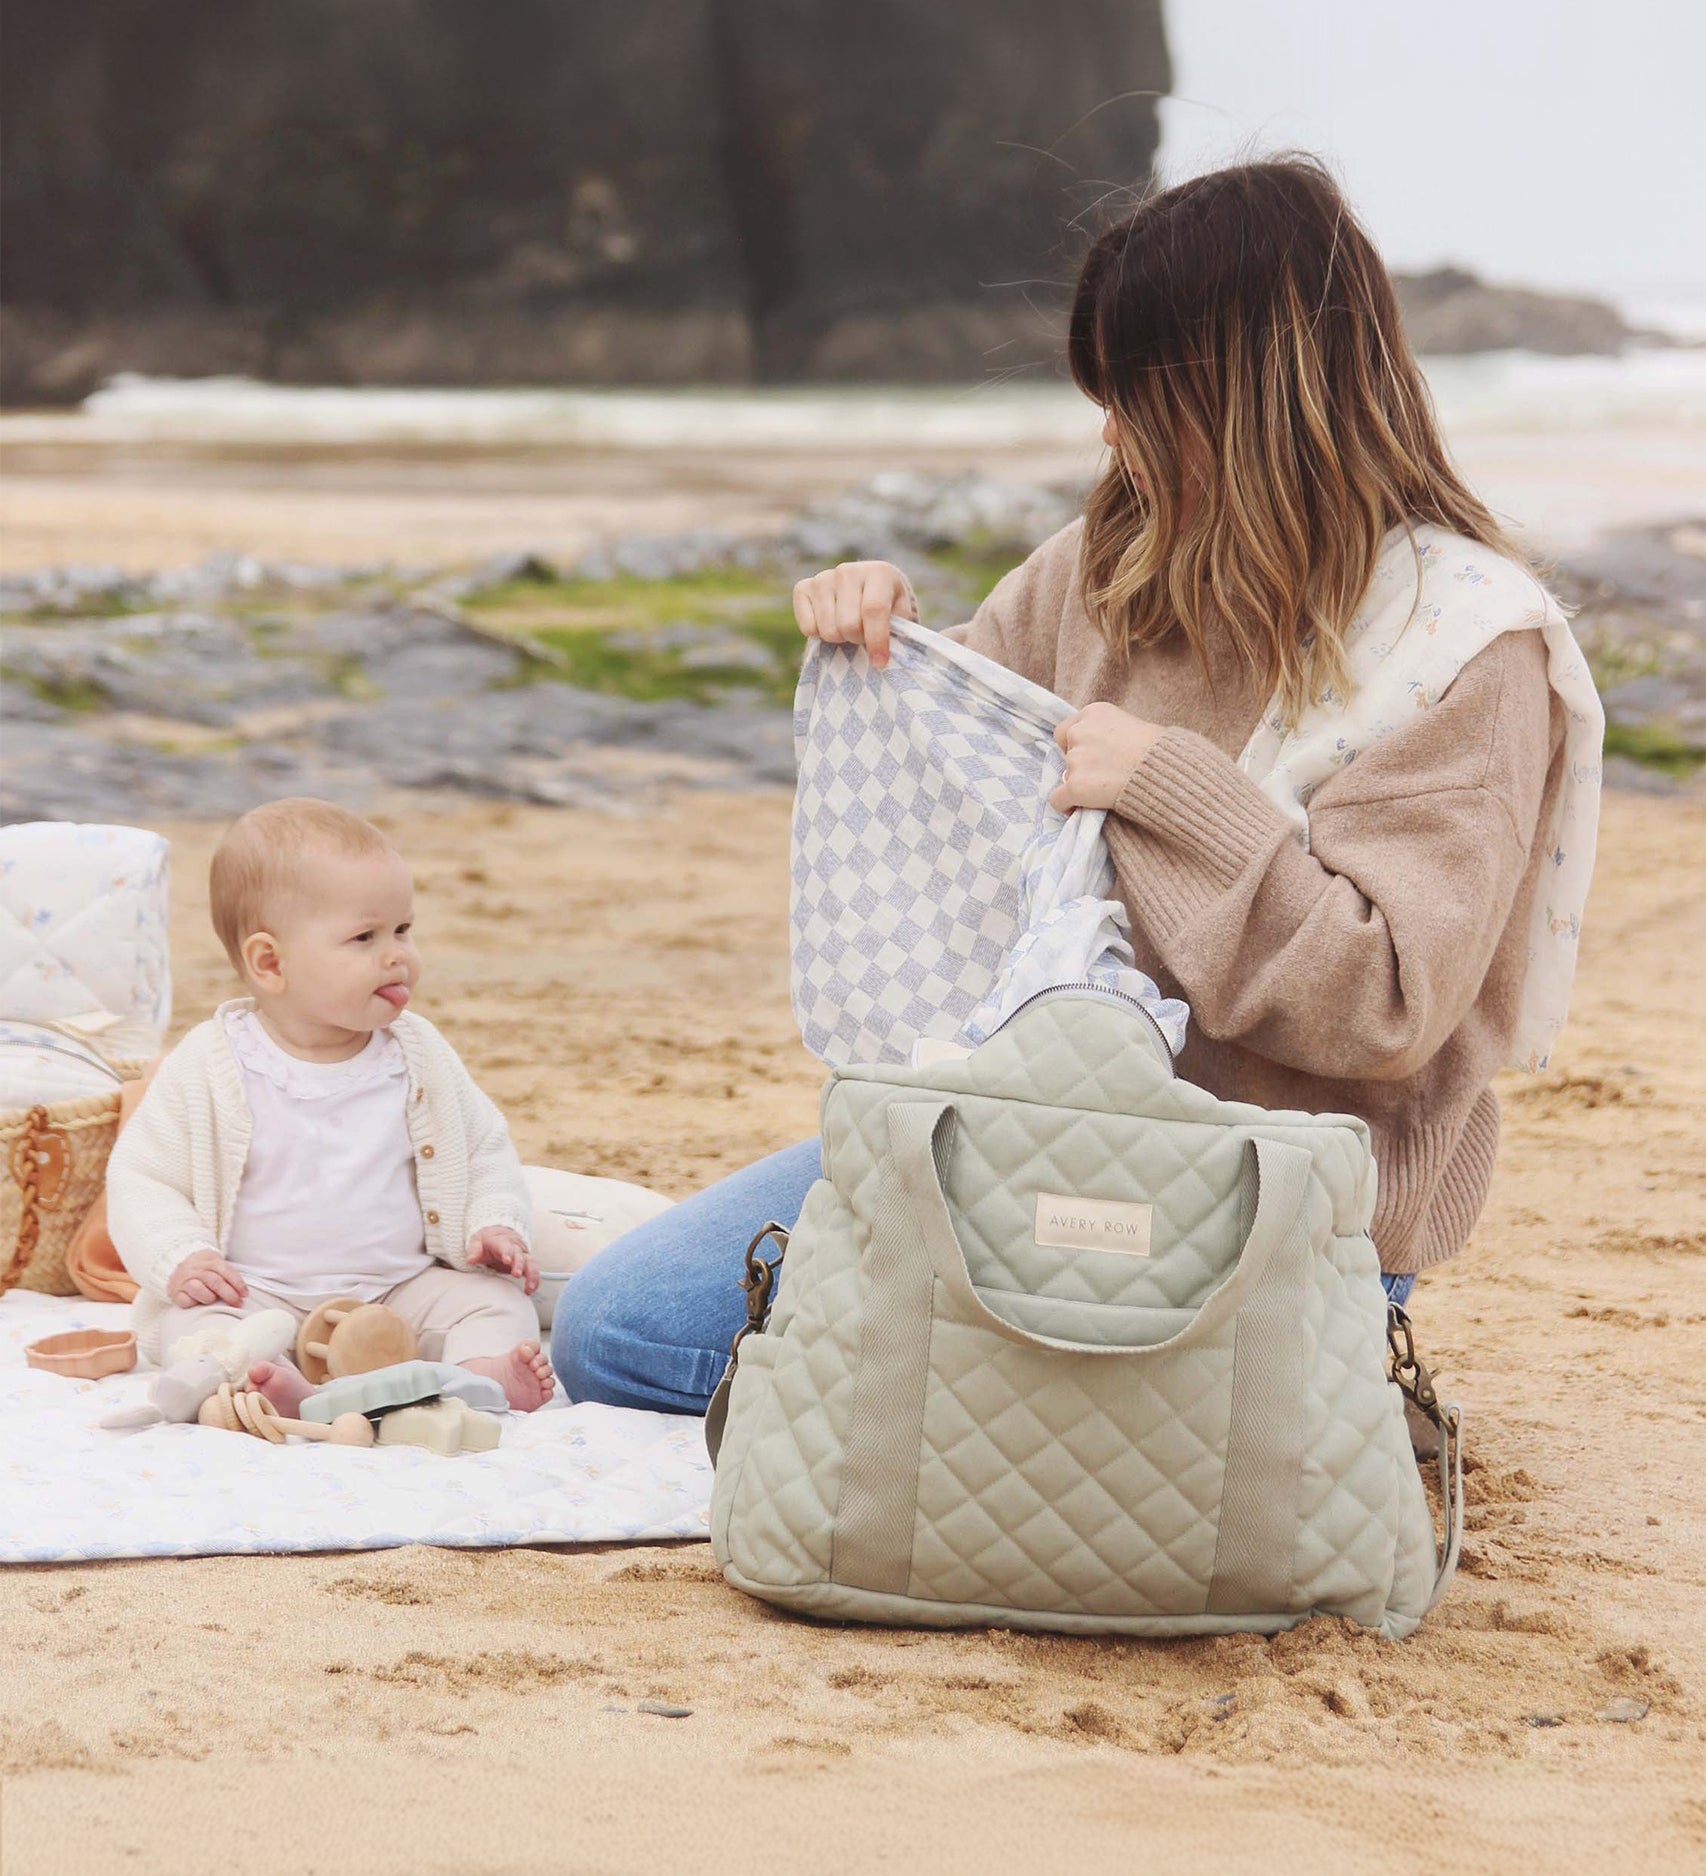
70, 1491
934, 889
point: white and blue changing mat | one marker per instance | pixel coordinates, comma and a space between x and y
934, 889
71, 1492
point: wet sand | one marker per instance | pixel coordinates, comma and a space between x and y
78, 487
620, 986
158, 505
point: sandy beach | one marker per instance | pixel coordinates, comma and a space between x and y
620, 986
434, 409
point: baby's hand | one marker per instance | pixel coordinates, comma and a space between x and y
501, 1249
205, 1277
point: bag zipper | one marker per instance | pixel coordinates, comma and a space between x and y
1087, 986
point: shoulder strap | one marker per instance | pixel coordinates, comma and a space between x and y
1412, 1379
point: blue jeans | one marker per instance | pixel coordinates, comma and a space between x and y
649, 1321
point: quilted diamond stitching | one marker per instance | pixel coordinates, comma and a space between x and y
1089, 1490
82, 923
1047, 1484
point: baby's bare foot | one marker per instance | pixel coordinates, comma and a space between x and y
284, 1385
524, 1374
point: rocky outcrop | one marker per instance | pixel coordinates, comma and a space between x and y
430, 192
204, 691
1638, 597
1450, 310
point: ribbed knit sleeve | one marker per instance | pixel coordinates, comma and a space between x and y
160, 1165
1357, 958
1208, 825
473, 1176
497, 1190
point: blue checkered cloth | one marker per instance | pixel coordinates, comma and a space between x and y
934, 888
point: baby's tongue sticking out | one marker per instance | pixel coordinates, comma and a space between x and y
397, 995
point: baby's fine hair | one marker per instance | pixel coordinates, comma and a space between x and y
260, 858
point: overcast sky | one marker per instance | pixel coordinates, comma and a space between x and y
1561, 144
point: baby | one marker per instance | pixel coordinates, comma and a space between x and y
316, 1138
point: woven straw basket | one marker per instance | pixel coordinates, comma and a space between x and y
53, 1164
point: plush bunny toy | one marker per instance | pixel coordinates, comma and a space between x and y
200, 1362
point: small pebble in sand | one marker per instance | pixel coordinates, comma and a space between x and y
1348, 1698
1623, 1711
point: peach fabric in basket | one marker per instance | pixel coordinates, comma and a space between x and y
91, 1260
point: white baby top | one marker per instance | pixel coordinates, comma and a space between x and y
327, 1205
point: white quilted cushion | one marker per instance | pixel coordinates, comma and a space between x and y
38, 1066
83, 929
574, 1216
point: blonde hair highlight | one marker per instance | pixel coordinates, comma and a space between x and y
1244, 333
259, 862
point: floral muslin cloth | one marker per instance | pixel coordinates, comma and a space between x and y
1435, 600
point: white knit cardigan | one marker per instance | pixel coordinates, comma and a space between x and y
174, 1172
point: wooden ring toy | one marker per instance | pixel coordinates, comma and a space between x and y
344, 1335
242, 1410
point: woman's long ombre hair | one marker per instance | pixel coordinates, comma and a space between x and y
1245, 336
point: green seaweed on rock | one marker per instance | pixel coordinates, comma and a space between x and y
1654, 746
81, 696
651, 640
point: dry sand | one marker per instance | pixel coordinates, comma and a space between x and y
620, 987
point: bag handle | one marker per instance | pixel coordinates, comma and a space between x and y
917, 1278
920, 1134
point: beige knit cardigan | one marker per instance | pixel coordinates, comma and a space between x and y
1380, 973
173, 1177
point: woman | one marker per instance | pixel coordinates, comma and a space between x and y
1274, 460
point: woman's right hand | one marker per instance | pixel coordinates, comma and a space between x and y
850, 605
205, 1277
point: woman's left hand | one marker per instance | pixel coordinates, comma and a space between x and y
1103, 745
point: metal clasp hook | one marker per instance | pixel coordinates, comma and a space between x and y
1405, 1367
759, 1283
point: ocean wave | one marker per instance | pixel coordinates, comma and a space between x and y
1507, 391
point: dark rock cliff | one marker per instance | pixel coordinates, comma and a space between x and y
431, 191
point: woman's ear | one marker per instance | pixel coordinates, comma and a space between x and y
1114, 440
262, 964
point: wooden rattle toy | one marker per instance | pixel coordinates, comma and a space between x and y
240, 1410
344, 1335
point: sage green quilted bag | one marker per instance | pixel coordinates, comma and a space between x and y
1063, 1342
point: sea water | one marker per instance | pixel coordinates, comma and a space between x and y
1662, 391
